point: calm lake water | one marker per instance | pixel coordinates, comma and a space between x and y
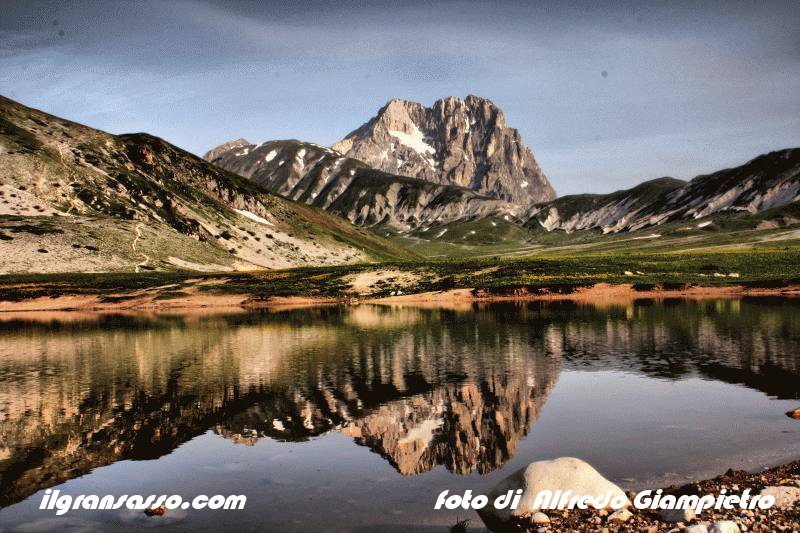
355, 418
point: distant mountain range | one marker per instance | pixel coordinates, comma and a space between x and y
350, 188
412, 168
464, 161
73, 198
76, 199
768, 181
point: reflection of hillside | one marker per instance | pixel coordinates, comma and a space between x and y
434, 387
754, 341
72, 400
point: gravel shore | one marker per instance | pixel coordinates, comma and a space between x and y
734, 481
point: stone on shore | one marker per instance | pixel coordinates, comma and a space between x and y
539, 518
785, 497
563, 473
724, 526
620, 515
677, 515
696, 528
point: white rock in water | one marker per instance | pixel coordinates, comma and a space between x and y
785, 497
564, 473
677, 515
697, 528
724, 526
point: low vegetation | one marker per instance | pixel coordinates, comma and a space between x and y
765, 266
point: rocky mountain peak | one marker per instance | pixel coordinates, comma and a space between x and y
457, 142
230, 145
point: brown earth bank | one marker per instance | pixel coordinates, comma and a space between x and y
166, 298
786, 518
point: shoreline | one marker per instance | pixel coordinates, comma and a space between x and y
603, 294
784, 516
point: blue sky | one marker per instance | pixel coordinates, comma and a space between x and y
688, 87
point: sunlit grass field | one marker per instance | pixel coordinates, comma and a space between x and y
768, 265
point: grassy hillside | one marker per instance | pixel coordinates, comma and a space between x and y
765, 265
73, 198
643, 194
505, 237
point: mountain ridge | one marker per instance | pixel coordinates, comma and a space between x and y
347, 187
764, 182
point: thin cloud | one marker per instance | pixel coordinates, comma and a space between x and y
680, 77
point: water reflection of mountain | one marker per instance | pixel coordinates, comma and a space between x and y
420, 387
465, 426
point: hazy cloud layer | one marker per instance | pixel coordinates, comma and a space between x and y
605, 96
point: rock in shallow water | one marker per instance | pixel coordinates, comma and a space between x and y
564, 473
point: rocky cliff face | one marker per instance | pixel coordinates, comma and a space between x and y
768, 181
347, 187
609, 213
457, 142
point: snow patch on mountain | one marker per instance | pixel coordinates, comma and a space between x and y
414, 140
254, 217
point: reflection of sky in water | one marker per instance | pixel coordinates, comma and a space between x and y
454, 400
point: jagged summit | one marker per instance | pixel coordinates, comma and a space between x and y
457, 142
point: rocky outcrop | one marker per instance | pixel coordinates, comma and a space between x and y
607, 212
769, 180
785, 497
349, 188
410, 167
456, 142
413, 168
